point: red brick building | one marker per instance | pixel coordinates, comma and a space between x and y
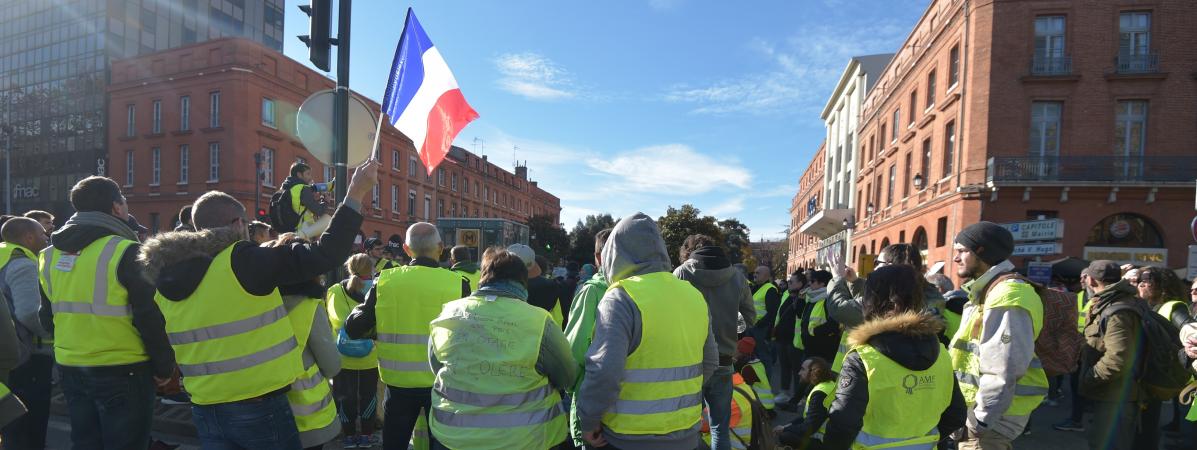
809, 200
1010, 111
190, 120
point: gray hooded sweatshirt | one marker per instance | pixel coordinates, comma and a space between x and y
726, 292
634, 248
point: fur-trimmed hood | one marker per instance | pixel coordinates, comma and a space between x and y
176, 261
910, 339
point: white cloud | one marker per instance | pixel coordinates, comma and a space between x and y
727, 208
803, 70
671, 169
534, 76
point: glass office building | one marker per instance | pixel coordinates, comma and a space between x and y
54, 61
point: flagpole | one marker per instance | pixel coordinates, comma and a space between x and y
377, 134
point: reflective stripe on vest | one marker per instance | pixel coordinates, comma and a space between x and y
409, 297
664, 391
1032, 387
93, 321
741, 426
889, 421
818, 316
310, 396
488, 394
231, 345
339, 307
758, 300
762, 388
838, 362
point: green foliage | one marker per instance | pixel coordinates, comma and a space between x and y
679, 223
581, 238
735, 238
546, 238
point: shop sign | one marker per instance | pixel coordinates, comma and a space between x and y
1040, 272
1050, 248
25, 191
1129, 255
1120, 229
1036, 230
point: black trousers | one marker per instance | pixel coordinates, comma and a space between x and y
30, 382
403, 408
356, 394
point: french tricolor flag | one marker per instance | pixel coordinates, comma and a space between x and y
422, 99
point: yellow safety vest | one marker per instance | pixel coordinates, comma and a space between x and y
785, 296
488, 393
1168, 308
741, 416
762, 388
409, 297
310, 395
10, 405
305, 217
230, 345
758, 300
838, 362
383, 264
828, 389
7, 249
472, 277
339, 307
818, 316
952, 322
1031, 388
661, 390
904, 404
93, 321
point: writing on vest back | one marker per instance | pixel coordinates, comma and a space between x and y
498, 369
914, 382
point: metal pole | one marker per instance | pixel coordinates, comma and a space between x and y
257, 182
7, 170
341, 102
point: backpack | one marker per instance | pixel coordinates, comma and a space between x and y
283, 218
1161, 374
1059, 343
762, 428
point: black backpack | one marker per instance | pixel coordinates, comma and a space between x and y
1161, 373
283, 218
762, 428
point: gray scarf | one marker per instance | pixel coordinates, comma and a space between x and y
103, 220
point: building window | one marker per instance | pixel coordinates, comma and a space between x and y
427, 207
925, 170
156, 119
131, 120
268, 113
897, 119
394, 198
485, 193
395, 159
1045, 129
155, 166
440, 207
411, 166
914, 106
465, 185
476, 191
184, 163
374, 196
184, 113
213, 162
1130, 134
1134, 33
954, 67
949, 148
930, 89
453, 181
411, 204
129, 168
214, 109
909, 178
329, 174
1049, 45
881, 148
267, 167
893, 178
440, 177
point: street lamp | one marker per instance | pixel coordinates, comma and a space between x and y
257, 181
869, 209
849, 223
918, 181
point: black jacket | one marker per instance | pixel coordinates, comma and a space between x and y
361, 321
147, 319
909, 339
797, 434
544, 292
788, 317
825, 341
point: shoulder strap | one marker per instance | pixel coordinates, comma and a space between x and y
1116, 308
994, 282
757, 413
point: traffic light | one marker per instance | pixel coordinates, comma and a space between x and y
263, 216
317, 39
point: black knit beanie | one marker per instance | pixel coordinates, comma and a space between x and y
995, 241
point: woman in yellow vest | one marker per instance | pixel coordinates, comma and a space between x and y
355, 388
500, 364
310, 395
896, 388
806, 432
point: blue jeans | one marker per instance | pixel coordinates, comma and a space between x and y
718, 395
764, 348
111, 408
265, 423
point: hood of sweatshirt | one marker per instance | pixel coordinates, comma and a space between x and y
635, 247
709, 266
910, 339
177, 261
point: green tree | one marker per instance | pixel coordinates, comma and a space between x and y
735, 238
679, 223
547, 238
581, 238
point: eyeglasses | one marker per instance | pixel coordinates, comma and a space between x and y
880, 263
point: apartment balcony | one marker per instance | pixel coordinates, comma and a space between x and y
1097, 170
1051, 65
826, 222
1126, 63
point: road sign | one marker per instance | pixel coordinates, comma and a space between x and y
1039, 272
1039, 249
1036, 230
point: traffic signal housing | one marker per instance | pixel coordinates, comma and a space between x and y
263, 216
318, 40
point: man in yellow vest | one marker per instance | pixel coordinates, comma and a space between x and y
236, 347
993, 353
374, 249
110, 340
652, 349
399, 307
461, 262
23, 239
766, 299
301, 191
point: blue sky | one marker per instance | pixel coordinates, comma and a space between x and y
637, 105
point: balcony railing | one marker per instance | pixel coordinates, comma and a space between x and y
1102, 169
1051, 65
1137, 63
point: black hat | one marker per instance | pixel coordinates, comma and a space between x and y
996, 242
1104, 270
372, 242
